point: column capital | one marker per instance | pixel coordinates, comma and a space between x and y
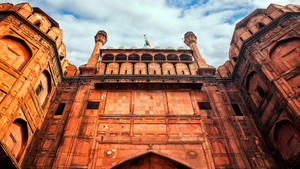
190, 38
101, 36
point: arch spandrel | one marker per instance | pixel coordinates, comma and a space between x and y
15, 52
16, 138
286, 54
150, 160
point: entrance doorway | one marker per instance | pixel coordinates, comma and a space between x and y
150, 161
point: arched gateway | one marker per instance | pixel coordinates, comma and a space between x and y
150, 161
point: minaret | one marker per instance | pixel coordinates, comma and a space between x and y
190, 40
90, 67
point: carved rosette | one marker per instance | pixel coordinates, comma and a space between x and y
190, 38
101, 36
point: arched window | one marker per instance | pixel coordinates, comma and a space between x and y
14, 52
286, 54
121, 57
16, 138
172, 57
133, 57
185, 57
37, 23
159, 57
43, 88
147, 160
146, 57
108, 57
287, 139
260, 25
254, 86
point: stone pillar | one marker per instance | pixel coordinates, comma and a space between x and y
190, 39
90, 67
100, 40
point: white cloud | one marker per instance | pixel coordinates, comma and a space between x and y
126, 21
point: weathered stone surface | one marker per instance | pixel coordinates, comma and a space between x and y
150, 108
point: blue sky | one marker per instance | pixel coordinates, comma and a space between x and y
163, 21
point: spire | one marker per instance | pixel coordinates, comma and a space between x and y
90, 67
100, 40
190, 40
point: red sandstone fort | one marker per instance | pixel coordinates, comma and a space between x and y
143, 108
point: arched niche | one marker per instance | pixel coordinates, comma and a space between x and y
193, 68
152, 160
168, 69
182, 69
185, 57
16, 138
146, 57
101, 68
154, 69
108, 57
126, 68
134, 57
43, 88
256, 88
14, 52
121, 57
159, 57
112, 68
172, 57
287, 139
140, 69
286, 54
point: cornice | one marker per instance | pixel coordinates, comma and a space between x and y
257, 35
45, 36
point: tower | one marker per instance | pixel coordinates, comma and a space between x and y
264, 64
31, 51
149, 107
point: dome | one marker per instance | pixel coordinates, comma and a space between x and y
170, 47
110, 47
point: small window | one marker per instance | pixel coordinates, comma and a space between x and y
39, 89
204, 105
237, 110
154, 72
125, 71
60, 109
92, 105
38, 24
260, 25
260, 91
140, 71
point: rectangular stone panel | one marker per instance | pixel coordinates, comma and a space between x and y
95, 95
115, 128
150, 130
179, 103
7, 80
149, 102
82, 153
185, 130
118, 102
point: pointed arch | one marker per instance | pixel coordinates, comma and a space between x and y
148, 159
16, 138
15, 51
44, 87
286, 54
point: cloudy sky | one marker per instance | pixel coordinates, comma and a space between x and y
164, 22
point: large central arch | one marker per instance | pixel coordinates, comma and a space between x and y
151, 160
